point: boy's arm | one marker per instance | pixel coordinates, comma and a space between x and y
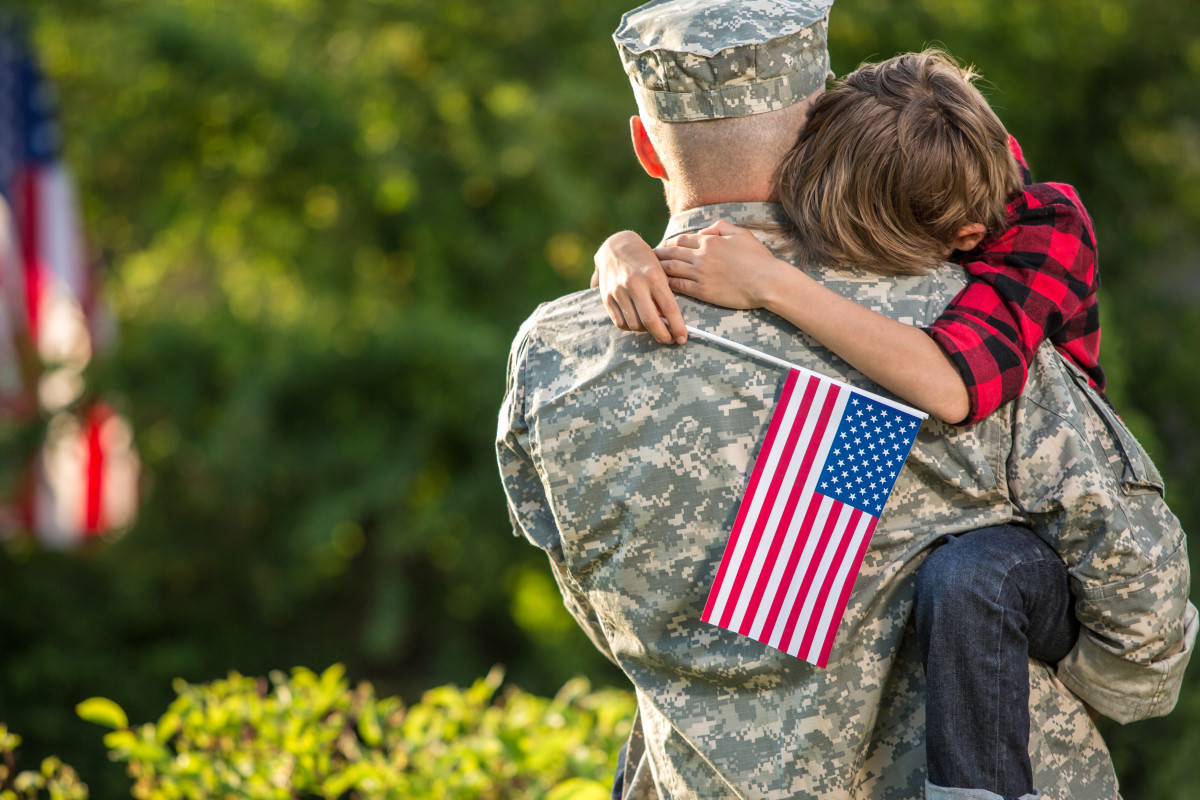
1034, 280
899, 357
726, 265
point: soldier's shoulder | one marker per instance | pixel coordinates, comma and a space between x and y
915, 299
579, 314
581, 306
577, 308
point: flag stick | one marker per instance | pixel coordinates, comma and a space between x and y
779, 362
741, 348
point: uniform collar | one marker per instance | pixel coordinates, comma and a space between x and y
743, 214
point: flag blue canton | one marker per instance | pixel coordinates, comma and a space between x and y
867, 452
28, 130
11, 142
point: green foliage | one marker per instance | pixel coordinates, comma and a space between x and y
53, 780
313, 736
321, 223
310, 735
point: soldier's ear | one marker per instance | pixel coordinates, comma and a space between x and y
647, 156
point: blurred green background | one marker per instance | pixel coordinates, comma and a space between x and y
321, 222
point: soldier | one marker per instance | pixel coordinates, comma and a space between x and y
625, 462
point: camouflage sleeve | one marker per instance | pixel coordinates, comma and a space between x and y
528, 507
1090, 490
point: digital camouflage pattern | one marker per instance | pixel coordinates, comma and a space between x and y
1125, 550
709, 59
625, 461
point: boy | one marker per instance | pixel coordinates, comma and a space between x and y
901, 165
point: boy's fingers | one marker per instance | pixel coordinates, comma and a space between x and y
614, 313
682, 286
669, 311
679, 269
622, 310
632, 320
689, 240
648, 314
675, 254
595, 281
721, 228
692, 240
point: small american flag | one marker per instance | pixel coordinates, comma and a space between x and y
824, 474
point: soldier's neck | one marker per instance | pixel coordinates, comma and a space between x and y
682, 196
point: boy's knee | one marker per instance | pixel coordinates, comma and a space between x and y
978, 564
969, 565
950, 571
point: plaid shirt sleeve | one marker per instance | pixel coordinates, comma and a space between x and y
1035, 280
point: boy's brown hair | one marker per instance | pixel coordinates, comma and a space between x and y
893, 162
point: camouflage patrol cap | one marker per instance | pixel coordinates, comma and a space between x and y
709, 59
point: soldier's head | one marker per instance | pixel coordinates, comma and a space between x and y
722, 87
900, 162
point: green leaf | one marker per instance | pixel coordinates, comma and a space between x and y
8, 741
102, 711
368, 725
123, 741
148, 751
579, 789
331, 678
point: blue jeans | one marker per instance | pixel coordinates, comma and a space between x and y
986, 602
618, 787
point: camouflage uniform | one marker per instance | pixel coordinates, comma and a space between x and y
625, 461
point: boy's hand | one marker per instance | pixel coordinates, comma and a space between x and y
723, 264
634, 288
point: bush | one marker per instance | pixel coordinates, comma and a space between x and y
54, 777
310, 736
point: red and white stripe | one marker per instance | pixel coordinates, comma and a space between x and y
793, 555
13, 391
57, 276
85, 480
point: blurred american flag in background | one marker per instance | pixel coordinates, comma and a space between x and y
82, 480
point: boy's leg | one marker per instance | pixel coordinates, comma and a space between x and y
618, 787
986, 601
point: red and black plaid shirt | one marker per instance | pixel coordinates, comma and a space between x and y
1033, 281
